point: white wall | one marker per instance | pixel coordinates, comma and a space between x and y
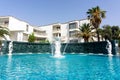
13, 36
48, 29
18, 28
19, 31
64, 32
81, 22
15, 24
18, 25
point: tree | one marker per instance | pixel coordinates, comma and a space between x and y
95, 15
31, 38
85, 32
4, 31
101, 33
107, 32
111, 32
115, 32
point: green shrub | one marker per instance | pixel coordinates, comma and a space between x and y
119, 43
44, 41
31, 38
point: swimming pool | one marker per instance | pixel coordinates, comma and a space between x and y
72, 67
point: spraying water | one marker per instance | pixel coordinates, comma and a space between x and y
10, 48
65, 48
57, 47
109, 48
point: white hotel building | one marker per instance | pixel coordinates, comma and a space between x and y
20, 30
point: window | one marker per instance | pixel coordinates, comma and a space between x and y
6, 22
56, 27
57, 35
72, 25
72, 33
74, 41
27, 27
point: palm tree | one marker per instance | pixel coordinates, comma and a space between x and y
101, 33
107, 32
95, 15
4, 31
85, 32
115, 32
110, 32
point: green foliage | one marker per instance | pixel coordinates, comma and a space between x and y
4, 31
119, 43
0, 43
31, 38
115, 32
110, 32
101, 33
107, 32
95, 16
44, 41
85, 32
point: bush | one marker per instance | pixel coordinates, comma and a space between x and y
44, 41
31, 38
119, 43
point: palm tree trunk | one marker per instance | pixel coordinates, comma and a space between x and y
86, 39
98, 37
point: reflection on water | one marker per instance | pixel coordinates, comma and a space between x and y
72, 67
57, 65
9, 66
9, 61
111, 65
61, 67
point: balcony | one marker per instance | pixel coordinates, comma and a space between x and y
56, 34
72, 34
73, 26
56, 29
4, 22
38, 34
3, 25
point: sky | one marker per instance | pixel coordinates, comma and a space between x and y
44, 12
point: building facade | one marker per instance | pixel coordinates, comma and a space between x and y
20, 30
66, 31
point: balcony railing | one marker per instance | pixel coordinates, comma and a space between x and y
39, 33
4, 25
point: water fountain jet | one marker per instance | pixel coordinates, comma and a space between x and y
57, 46
10, 48
109, 48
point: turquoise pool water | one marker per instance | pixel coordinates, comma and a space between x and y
72, 67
